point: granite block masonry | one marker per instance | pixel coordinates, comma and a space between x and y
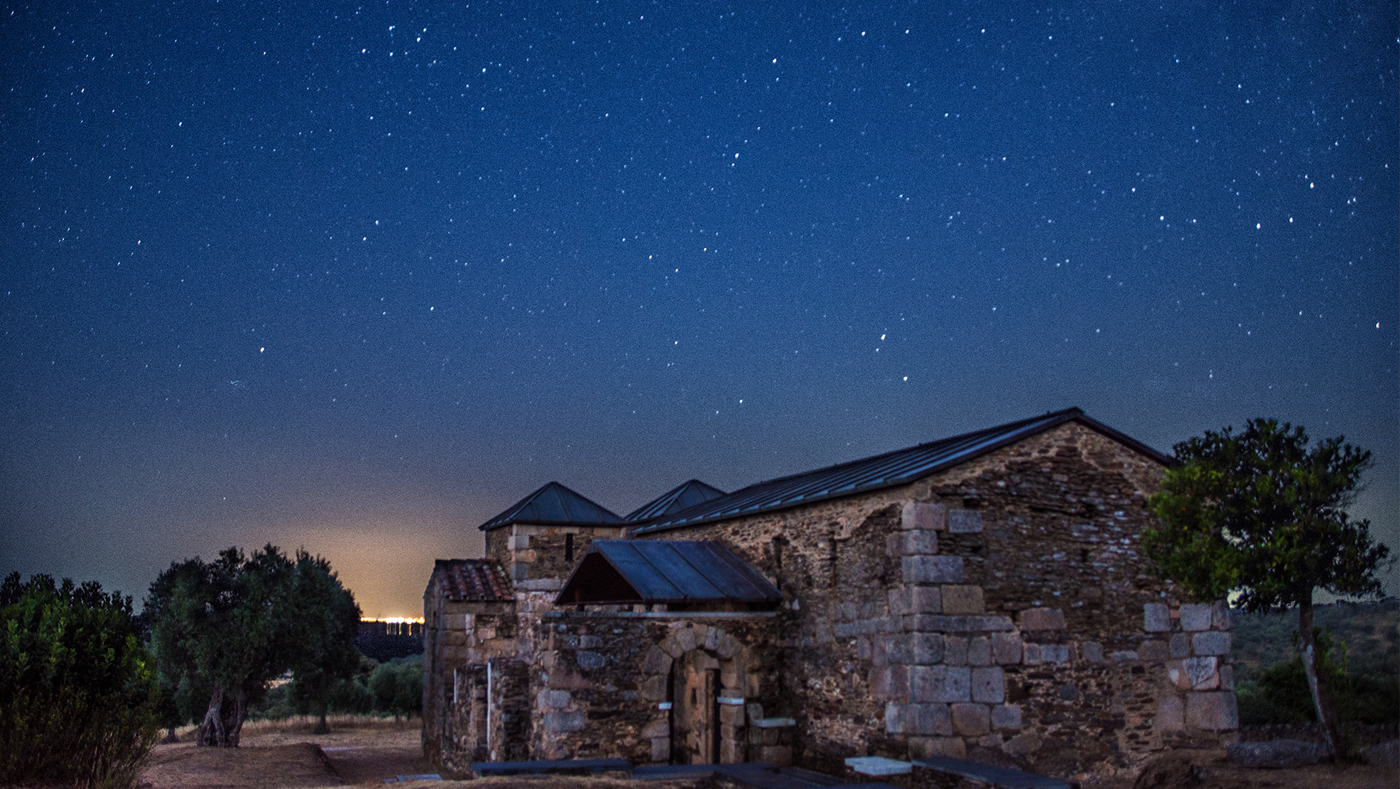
997, 603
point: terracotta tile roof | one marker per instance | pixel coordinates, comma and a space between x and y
473, 580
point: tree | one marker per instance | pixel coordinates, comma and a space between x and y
77, 688
232, 625
320, 598
1262, 516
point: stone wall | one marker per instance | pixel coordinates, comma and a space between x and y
459, 638
604, 684
994, 611
537, 552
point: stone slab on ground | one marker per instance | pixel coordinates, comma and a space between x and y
553, 767
1276, 753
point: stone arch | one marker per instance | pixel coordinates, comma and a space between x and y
672, 666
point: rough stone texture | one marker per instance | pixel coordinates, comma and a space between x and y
1212, 711
932, 569
1195, 616
971, 720
1276, 753
867, 654
1211, 643
1156, 618
1041, 619
964, 522
1386, 754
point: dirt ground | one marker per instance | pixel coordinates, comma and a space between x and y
364, 753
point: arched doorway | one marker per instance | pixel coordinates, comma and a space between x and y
695, 719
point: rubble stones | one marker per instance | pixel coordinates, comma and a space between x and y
1276, 753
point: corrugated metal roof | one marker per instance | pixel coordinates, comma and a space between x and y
682, 497
881, 471
552, 504
473, 580
665, 571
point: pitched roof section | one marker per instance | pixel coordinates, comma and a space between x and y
682, 497
665, 571
473, 580
553, 504
882, 471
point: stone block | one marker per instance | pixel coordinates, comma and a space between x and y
1212, 711
940, 684
1092, 651
1211, 642
519, 542
979, 651
776, 755
1006, 716
653, 688
1180, 645
935, 747
1171, 715
915, 542
1023, 744
988, 685
1042, 619
731, 715
971, 720
713, 636
559, 721
1197, 673
1227, 677
1153, 649
685, 639
591, 660
1156, 618
1006, 648
1195, 616
1220, 615
728, 647
907, 600
960, 600
898, 649
924, 516
656, 662
890, 682
922, 719
731, 751
926, 648
964, 521
939, 623
932, 569
1036, 654
658, 727
557, 699
954, 650
661, 749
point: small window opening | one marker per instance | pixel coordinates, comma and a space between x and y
568, 547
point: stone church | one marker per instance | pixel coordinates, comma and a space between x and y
980, 597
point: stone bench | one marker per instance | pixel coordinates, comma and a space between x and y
951, 773
553, 767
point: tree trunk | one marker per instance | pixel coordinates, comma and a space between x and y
236, 715
211, 732
1322, 698
321, 727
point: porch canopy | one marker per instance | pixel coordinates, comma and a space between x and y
670, 572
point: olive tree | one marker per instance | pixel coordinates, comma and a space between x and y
231, 625
1260, 516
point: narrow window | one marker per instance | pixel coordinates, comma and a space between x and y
568, 547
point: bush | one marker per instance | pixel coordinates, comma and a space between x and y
398, 686
1281, 696
77, 688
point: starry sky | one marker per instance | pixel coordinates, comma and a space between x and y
357, 277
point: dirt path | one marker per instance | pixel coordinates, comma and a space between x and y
292, 757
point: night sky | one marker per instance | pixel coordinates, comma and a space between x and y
358, 277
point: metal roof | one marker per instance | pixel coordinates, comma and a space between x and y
665, 571
882, 471
473, 580
553, 504
682, 497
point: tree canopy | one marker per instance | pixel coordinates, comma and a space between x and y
227, 627
77, 687
1260, 516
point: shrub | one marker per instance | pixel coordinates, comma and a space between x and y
77, 689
